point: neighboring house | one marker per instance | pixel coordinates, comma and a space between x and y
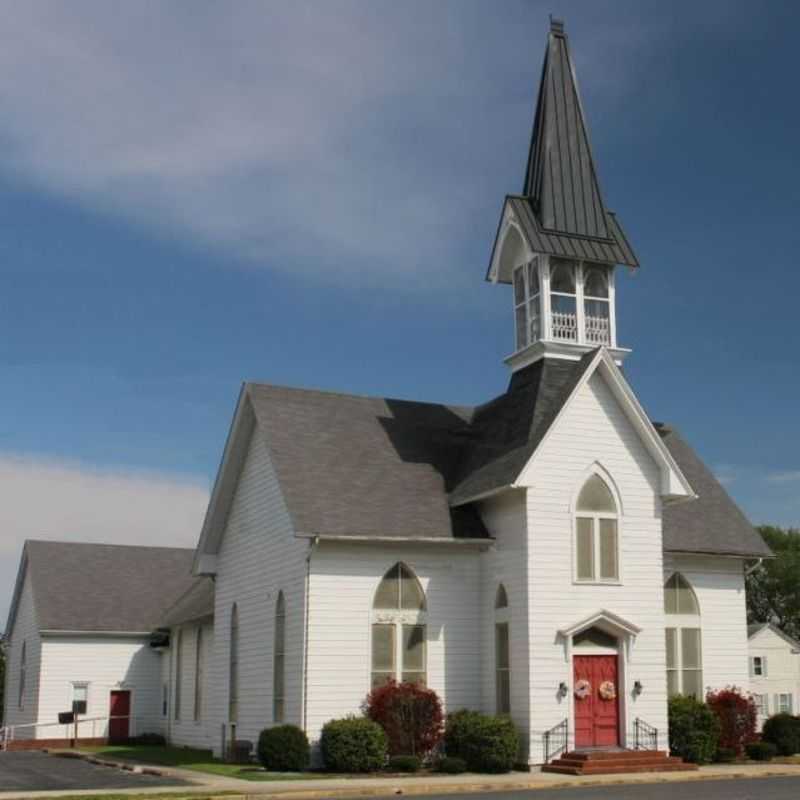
551, 554
79, 630
774, 660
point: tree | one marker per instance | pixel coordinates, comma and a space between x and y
773, 588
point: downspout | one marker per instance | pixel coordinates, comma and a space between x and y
312, 546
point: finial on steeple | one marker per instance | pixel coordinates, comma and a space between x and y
556, 25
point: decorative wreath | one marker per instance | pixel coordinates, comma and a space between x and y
607, 690
583, 689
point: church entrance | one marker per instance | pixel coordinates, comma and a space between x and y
596, 681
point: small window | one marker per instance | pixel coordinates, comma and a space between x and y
527, 304
279, 660
596, 545
400, 589
233, 667
80, 698
758, 666
785, 704
595, 283
563, 301
679, 598
762, 704
502, 668
23, 667
501, 599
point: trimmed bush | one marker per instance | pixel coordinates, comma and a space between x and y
485, 743
452, 765
411, 716
761, 751
783, 730
725, 755
404, 764
151, 740
283, 748
353, 744
736, 712
693, 730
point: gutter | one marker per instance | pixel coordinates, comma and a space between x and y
416, 540
312, 546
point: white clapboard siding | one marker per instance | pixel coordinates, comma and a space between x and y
190, 730
781, 662
104, 663
343, 581
24, 632
505, 518
718, 584
594, 429
259, 557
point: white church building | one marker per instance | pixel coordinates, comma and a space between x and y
551, 554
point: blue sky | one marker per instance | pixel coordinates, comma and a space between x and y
195, 193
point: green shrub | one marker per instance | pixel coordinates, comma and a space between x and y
452, 765
485, 743
283, 748
725, 755
761, 751
693, 730
783, 730
404, 764
354, 744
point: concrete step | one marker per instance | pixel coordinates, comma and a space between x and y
614, 762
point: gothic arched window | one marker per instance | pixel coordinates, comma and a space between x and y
596, 545
398, 629
233, 667
502, 654
278, 662
684, 638
596, 306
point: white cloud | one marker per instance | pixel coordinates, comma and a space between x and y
787, 476
65, 501
334, 139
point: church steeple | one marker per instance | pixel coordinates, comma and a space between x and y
557, 242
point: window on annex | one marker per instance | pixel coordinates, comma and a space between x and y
527, 304
784, 703
762, 704
596, 545
233, 667
399, 630
683, 639
80, 698
22, 674
596, 305
178, 673
758, 666
563, 300
199, 676
278, 661
502, 654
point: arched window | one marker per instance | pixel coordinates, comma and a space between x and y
596, 545
278, 665
178, 672
563, 302
398, 629
233, 667
23, 668
684, 638
527, 304
199, 676
502, 655
596, 305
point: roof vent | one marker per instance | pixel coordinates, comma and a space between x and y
556, 25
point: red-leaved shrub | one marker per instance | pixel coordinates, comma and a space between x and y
410, 714
736, 712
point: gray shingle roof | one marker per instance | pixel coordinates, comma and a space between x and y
195, 604
108, 588
712, 523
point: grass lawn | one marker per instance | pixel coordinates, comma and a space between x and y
197, 760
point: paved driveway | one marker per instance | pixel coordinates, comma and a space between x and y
39, 772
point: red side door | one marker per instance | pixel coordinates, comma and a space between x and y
119, 711
596, 719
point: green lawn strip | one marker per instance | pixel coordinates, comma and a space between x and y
196, 760
159, 796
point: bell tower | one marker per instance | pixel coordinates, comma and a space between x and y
557, 243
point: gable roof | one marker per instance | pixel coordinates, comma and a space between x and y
79, 587
712, 523
753, 630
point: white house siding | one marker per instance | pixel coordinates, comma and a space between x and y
25, 631
188, 731
259, 556
506, 563
343, 581
718, 584
105, 663
594, 429
781, 666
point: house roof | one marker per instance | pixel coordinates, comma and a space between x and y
753, 630
103, 588
712, 523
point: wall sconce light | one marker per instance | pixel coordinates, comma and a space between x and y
637, 688
562, 689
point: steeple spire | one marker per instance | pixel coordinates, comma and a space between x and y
561, 178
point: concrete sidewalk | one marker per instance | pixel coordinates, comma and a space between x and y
320, 789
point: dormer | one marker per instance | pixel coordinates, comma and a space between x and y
557, 244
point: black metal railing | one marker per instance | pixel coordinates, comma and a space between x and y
555, 740
645, 737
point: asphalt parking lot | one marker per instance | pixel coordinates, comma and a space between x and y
39, 772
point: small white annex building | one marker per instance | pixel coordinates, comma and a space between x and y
774, 670
551, 554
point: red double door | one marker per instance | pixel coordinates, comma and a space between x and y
596, 718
